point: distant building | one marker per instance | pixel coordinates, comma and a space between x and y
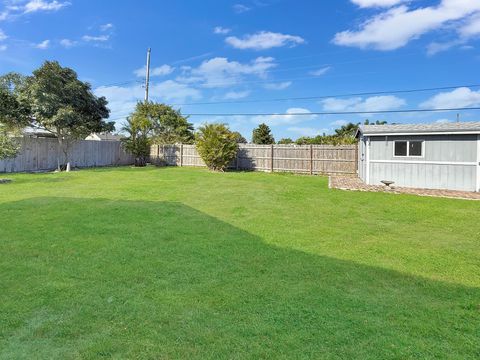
104, 137
37, 133
433, 156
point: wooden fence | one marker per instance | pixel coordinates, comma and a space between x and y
308, 159
40, 154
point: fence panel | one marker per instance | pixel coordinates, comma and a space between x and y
40, 154
308, 159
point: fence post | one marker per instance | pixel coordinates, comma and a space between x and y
181, 155
311, 159
271, 159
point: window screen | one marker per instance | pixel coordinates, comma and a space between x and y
400, 148
415, 148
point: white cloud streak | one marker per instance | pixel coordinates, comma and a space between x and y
43, 45
221, 30
461, 97
263, 40
374, 103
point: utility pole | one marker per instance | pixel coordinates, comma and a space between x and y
147, 77
458, 117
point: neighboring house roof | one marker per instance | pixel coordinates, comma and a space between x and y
104, 137
34, 132
412, 129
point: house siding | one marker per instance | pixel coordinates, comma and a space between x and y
448, 162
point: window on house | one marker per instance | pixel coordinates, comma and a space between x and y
415, 148
401, 148
408, 148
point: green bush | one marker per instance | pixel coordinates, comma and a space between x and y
217, 145
9, 148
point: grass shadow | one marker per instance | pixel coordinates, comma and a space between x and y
84, 278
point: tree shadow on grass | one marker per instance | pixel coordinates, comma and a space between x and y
124, 279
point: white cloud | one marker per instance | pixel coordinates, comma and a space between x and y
471, 28
240, 8
3, 47
41, 5
221, 30
263, 40
220, 72
43, 45
235, 95
292, 117
442, 121
156, 71
435, 47
3, 36
376, 3
374, 103
307, 131
67, 43
321, 71
4, 15
122, 100
339, 123
99, 38
106, 27
461, 97
278, 86
396, 27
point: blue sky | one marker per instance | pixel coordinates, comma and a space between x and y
252, 50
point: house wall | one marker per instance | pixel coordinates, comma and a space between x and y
362, 159
448, 162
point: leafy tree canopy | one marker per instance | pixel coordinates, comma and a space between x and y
169, 126
14, 113
64, 105
262, 135
285, 141
239, 138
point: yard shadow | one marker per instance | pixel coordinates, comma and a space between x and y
85, 278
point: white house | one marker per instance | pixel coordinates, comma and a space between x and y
103, 137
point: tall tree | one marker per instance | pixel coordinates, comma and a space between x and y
65, 106
14, 114
262, 135
139, 128
169, 126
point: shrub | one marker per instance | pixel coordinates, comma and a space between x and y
8, 147
216, 145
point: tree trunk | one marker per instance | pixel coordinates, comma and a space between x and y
59, 149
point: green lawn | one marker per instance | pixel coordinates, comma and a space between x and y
167, 263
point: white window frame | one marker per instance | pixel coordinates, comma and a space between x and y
408, 149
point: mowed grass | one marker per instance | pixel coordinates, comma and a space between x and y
177, 263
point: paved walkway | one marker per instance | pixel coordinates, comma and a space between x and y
354, 183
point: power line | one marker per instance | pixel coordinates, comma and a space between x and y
328, 112
336, 112
329, 96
